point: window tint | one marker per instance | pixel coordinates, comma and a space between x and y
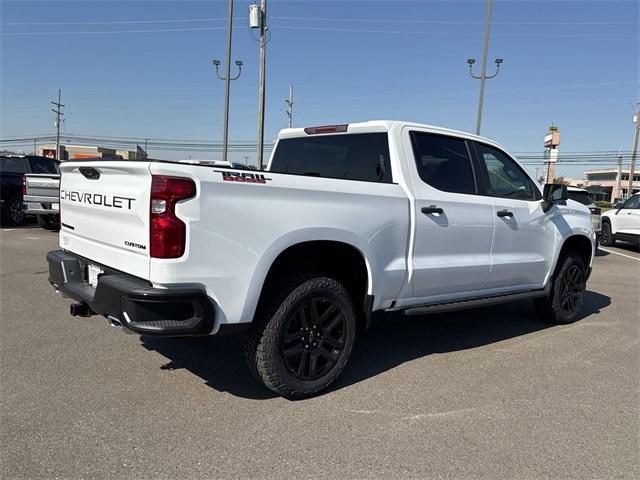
43, 165
633, 202
443, 162
362, 156
505, 178
582, 197
13, 165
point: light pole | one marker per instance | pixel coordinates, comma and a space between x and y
634, 150
262, 16
227, 79
483, 75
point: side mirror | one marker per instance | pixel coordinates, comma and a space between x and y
555, 193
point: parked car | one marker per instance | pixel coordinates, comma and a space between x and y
581, 195
12, 171
42, 198
622, 223
347, 220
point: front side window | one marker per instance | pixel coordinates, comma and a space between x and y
505, 178
633, 202
443, 162
363, 156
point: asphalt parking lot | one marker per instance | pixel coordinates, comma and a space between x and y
488, 393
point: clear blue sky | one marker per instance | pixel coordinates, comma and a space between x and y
575, 63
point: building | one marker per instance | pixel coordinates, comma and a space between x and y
85, 152
606, 179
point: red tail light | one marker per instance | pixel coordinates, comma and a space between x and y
326, 129
595, 210
24, 185
167, 232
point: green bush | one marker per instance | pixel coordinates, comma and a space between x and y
603, 204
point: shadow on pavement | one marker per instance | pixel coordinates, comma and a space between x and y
392, 340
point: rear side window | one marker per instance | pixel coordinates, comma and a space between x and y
363, 156
43, 165
581, 197
443, 162
13, 165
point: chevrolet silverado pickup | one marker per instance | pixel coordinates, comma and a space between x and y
42, 198
346, 220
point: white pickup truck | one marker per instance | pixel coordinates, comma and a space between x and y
42, 198
345, 221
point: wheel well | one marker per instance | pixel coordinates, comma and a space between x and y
578, 244
336, 260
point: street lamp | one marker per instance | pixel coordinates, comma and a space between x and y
227, 78
483, 75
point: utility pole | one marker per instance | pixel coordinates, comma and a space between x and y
246, 159
227, 79
58, 112
289, 102
262, 80
634, 149
616, 192
483, 75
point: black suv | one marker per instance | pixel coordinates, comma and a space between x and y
12, 168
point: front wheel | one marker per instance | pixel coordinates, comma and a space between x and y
606, 236
302, 336
563, 304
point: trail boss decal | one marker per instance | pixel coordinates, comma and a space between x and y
105, 200
243, 177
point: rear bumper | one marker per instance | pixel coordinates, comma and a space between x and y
175, 310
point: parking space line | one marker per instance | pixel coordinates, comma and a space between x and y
618, 253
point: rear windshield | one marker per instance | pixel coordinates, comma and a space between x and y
363, 157
43, 165
13, 165
582, 197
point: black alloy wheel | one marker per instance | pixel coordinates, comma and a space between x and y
314, 339
572, 288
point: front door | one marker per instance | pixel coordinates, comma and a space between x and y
453, 226
523, 241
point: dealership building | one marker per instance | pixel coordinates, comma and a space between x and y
85, 152
612, 183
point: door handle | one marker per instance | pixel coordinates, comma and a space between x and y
505, 213
431, 209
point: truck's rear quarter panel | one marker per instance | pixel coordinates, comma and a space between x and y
235, 230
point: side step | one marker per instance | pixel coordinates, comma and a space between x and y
475, 302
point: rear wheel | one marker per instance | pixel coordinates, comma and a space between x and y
607, 239
49, 222
13, 211
302, 337
563, 304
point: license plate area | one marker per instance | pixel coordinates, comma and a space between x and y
93, 273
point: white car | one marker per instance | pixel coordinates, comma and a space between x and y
622, 223
345, 221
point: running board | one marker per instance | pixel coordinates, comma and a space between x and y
475, 302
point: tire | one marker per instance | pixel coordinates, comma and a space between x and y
562, 306
302, 336
13, 211
607, 238
49, 222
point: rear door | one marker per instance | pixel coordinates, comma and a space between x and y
105, 213
453, 225
523, 240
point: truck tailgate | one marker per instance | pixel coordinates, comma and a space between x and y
104, 209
